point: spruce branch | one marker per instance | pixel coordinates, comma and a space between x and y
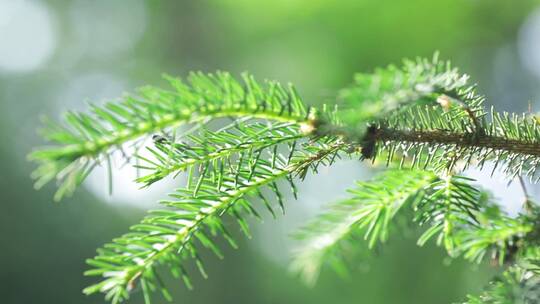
427, 111
501, 236
194, 217
214, 148
424, 119
467, 221
367, 214
87, 140
462, 216
515, 286
387, 92
460, 140
447, 205
435, 139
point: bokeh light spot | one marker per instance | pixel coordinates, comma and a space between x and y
105, 28
529, 42
27, 33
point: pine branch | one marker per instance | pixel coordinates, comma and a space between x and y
462, 140
448, 205
214, 149
497, 233
424, 115
461, 215
426, 111
87, 140
368, 212
468, 223
169, 237
437, 136
435, 139
515, 286
387, 92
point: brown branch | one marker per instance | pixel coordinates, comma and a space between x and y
458, 139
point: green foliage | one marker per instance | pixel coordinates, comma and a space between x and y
367, 214
447, 205
425, 120
428, 112
459, 214
214, 148
508, 140
515, 286
194, 217
89, 139
388, 92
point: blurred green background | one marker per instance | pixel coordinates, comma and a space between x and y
56, 55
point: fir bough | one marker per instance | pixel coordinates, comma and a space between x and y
249, 142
